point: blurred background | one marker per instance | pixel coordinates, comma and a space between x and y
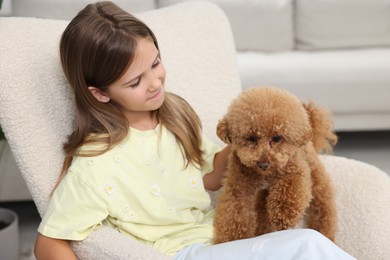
335, 53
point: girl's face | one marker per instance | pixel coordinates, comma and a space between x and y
141, 88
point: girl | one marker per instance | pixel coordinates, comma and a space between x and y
137, 160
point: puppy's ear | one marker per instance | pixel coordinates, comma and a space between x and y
223, 131
305, 134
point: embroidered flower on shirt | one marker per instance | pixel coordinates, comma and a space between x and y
125, 208
171, 210
110, 189
131, 214
194, 182
155, 190
149, 162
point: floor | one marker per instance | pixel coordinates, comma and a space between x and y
369, 147
373, 148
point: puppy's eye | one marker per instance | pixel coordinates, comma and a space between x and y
252, 138
276, 138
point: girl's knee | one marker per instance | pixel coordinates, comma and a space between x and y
319, 246
311, 234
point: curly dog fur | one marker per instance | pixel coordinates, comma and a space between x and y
275, 177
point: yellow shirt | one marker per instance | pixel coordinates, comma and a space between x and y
141, 188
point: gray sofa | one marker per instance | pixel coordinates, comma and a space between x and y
334, 52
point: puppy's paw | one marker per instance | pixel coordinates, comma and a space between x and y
283, 218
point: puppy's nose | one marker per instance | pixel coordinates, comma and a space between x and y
264, 165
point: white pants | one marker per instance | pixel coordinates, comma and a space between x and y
294, 244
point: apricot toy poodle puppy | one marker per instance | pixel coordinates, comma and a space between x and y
274, 177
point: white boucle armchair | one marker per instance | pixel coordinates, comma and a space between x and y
36, 114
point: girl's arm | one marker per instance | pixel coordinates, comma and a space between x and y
53, 249
213, 180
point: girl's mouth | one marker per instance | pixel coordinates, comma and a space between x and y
157, 95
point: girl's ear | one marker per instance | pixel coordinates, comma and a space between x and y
100, 95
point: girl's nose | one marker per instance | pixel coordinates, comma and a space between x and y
156, 81
156, 78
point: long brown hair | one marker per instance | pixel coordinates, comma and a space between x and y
96, 48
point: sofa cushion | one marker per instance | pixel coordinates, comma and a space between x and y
251, 21
59, 9
347, 82
324, 24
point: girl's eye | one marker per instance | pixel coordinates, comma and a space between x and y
276, 138
135, 84
156, 63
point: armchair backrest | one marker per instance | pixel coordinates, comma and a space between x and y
36, 106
